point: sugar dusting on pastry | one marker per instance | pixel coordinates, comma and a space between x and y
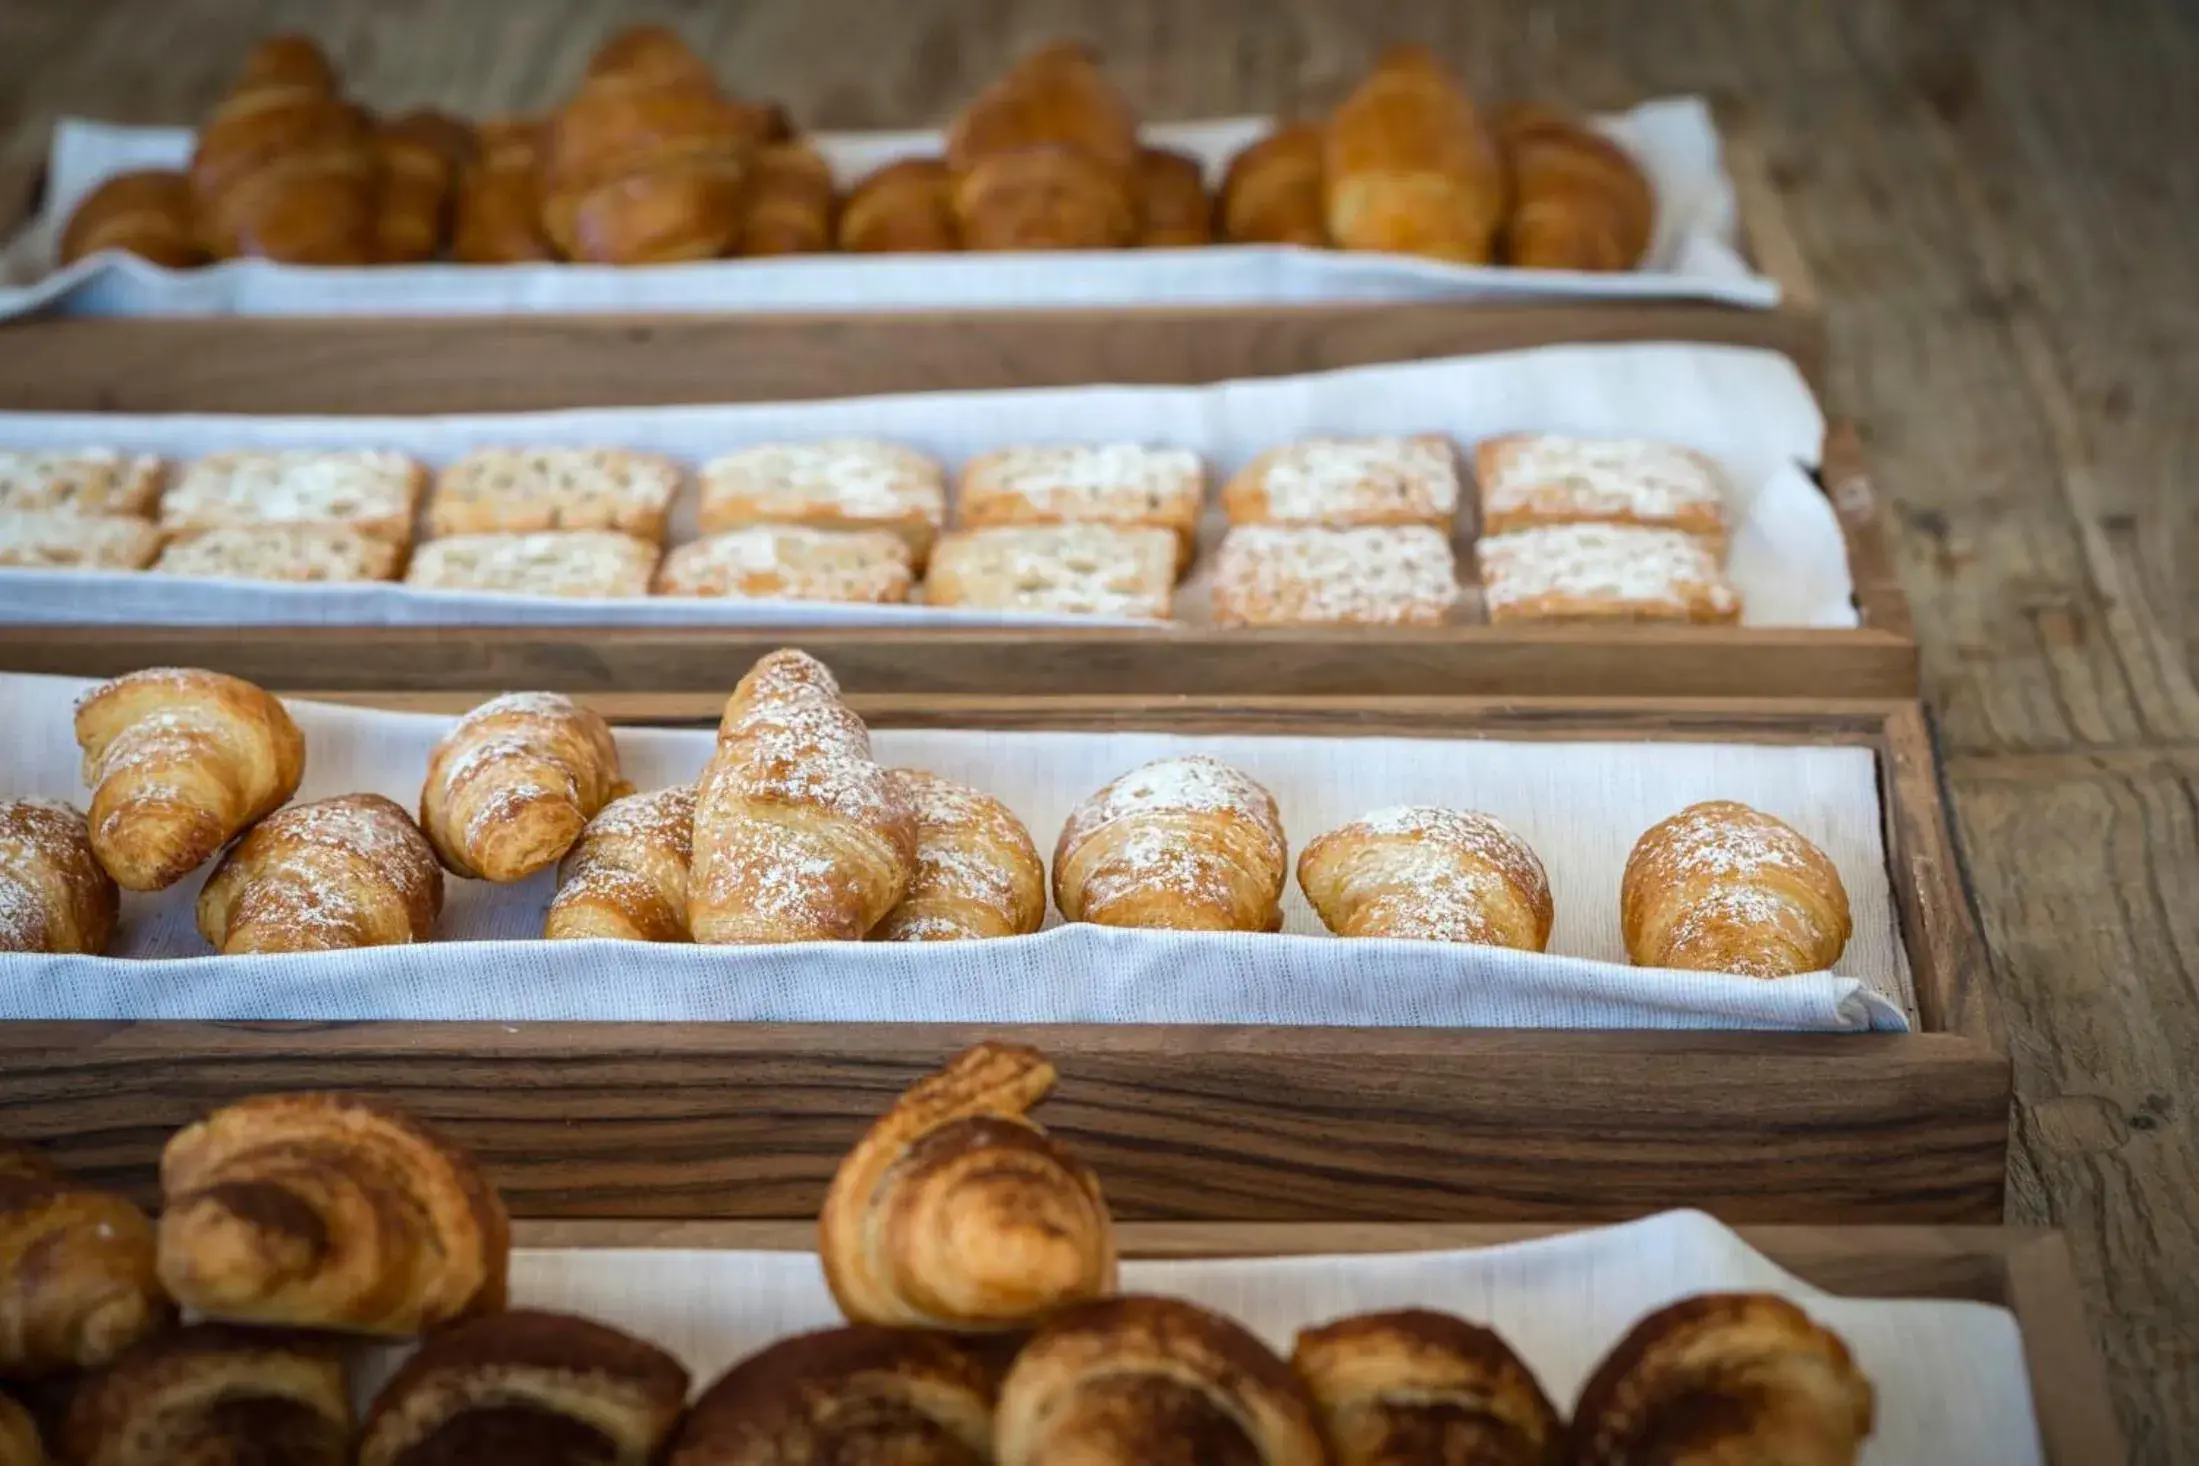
1633, 478
1660, 568
861, 478
1094, 482
588, 564
1301, 574
291, 485
1156, 851
791, 562
569, 488
1343, 480
947, 866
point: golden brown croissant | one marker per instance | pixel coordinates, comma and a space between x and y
903, 208
419, 156
76, 1276
54, 894
178, 761
514, 782
147, 213
1720, 887
1719, 1378
958, 1211
1409, 167
328, 1211
1046, 158
977, 872
213, 1395
799, 834
1417, 1388
856, 1396
1151, 1382
786, 208
19, 1440
325, 876
1173, 208
497, 216
1272, 192
627, 875
526, 1389
285, 168
1185, 843
1442, 875
1578, 201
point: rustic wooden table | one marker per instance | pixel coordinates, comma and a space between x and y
1994, 202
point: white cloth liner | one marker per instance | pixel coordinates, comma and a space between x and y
1580, 804
1950, 1379
1750, 409
1693, 252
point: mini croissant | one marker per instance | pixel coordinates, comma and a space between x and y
1046, 158
420, 156
1418, 1388
1434, 874
330, 875
54, 894
1721, 887
957, 1211
77, 1285
328, 1211
514, 782
1579, 202
1409, 166
787, 207
213, 1395
1185, 844
147, 213
903, 208
285, 167
496, 218
627, 875
1272, 192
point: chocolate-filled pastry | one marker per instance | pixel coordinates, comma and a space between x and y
1724, 1377
1419, 1388
858, 1396
214, 1395
54, 894
1721, 887
1152, 1382
146, 213
957, 1211
903, 208
20, 1444
77, 1284
526, 1389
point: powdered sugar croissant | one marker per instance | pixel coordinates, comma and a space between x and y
977, 872
54, 894
1184, 843
1442, 875
512, 785
324, 876
627, 876
1720, 887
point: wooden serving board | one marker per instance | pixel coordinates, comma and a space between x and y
747, 1120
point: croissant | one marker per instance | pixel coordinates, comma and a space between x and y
849, 1397
527, 1389
1136, 1381
903, 208
285, 168
420, 155
627, 875
328, 1211
1185, 843
1720, 887
178, 761
787, 209
513, 784
19, 1440
1046, 158
1417, 1388
325, 876
958, 1211
1579, 202
977, 872
1272, 191
1173, 208
1724, 1377
54, 894
799, 834
1409, 167
76, 1275
213, 1395
1441, 875
497, 215
147, 213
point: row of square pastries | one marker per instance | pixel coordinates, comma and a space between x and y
1321, 531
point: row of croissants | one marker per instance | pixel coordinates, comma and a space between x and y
971, 1252
650, 162
796, 833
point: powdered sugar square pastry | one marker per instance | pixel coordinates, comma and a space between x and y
1308, 575
302, 552
584, 564
1074, 569
1348, 481
57, 540
1529, 479
790, 563
1112, 483
521, 490
370, 491
79, 481
844, 483
1603, 572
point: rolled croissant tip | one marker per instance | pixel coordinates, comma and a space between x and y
150, 844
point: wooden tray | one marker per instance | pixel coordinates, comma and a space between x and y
745, 1120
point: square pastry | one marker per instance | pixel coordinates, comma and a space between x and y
1074, 569
1310, 575
522, 490
1528, 479
1121, 484
63, 541
790, 562
373, 492
301, 552
1349, 481
79, 481
585, 564
845, 483
1603, 572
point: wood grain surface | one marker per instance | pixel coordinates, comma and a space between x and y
1993, 202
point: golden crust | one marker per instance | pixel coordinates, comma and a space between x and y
1410, 168
324, 876
54, 894
1419, 1388
1531, 479
514, 782
1579, 201
977, 872
77, 1283
213, 1393
1431, 874
1121, 484
1046, 158
627, 875
1272, 191
1721, 887
526, 490
1188, 844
